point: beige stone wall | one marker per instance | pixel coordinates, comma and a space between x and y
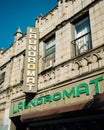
14, 50
97, 24
65, 33
8, 74
63, 47
63, 44
17, 67
63, 11
41, 56
84, 65
5, 57
20, 45
12, 63
14, 71
1, 117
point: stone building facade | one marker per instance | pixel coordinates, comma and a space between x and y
11, 76
53, 76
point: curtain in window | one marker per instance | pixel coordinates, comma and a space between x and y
82, 40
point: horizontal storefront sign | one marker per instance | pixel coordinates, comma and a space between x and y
74, 92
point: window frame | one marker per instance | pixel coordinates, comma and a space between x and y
86, 35
48, 51
2, 77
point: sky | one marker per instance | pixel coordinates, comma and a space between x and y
20, 13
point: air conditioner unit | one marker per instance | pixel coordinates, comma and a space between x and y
48, 64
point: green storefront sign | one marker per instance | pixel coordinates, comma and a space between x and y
73, 92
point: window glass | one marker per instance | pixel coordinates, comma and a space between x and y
2, 77
50, 50
82, 40
82, 27
50, 43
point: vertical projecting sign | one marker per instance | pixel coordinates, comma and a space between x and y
31, 61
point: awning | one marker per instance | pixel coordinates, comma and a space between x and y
47, 114
97, 103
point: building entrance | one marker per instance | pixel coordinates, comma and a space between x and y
91, 125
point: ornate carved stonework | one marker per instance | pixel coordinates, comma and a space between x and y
83, 64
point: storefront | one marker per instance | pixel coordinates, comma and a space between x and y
89, 116
73, 106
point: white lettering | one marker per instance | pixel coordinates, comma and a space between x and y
31, 59
32, 30
33, 35
31, 80
31, 53
30, 73
32, 47
30, 86
32, 41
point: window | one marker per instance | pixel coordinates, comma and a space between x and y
2, 77
82, 42
50, 50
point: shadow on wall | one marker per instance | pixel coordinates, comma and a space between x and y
96, 103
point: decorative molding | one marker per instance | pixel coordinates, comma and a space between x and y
86, 63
